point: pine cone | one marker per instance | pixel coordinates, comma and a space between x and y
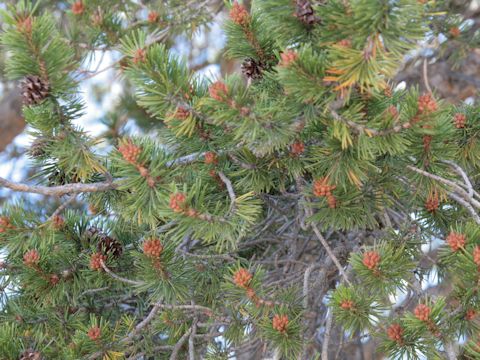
253, 69
460, 120
422, 312
371, 259
30, 355
476, 255
37, 149
153, 247
456, 241
106, 245
242, 278
305, 13
280, 323
109, 246
347, 304
34, 89
395, 333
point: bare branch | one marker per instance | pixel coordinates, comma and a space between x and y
62, 207
231, 193
180, 343
467, 205
143, 323
425, 75
463, 174
326, 337
119, 278
58, 190
191, 345
330, 253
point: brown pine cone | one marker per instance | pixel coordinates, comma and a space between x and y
34, 89
305, 13
252, 68
109, 246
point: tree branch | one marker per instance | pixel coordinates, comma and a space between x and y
58, 190
119, 278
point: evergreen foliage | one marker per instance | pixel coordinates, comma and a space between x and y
218, 224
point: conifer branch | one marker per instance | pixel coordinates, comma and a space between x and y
330, 253
326, 336
120, 278
450, 183
361, 129
62, 207
463, 174
231, 192
179, 344
191, 344
75, 188
467, 205
151, 315
425, 75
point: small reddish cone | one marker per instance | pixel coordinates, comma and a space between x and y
346, 304
395, 333
130, 151
58, 222
140, 56
94, 333
459, 120
297, 148
153, 248
476, 255
5, 224
280, 323
456, 241
345, 43
242, 278
96, 261
181, 113
211, 158
25, 25
332, 202
31, 258
427, 140
371, 259
78, 8
153, 17
470, 314
432, 203
422, 312
392, 110
239, 14
218, 91
287, 58
426, 104
54, 279
322, 188
455, 31
177, 202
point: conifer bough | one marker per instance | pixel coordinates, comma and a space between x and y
278, 212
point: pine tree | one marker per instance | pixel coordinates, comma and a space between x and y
258, 212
